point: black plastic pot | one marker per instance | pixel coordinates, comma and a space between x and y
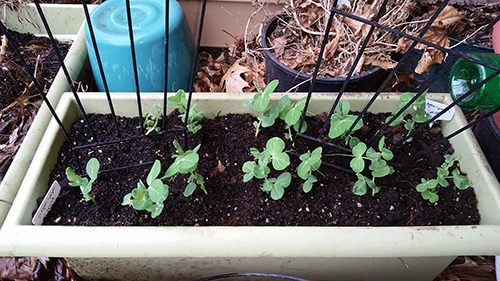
368, 81
488, 137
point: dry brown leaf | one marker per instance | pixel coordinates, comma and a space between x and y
219, 169
309, 13
232, 81
331, 48
204, 84
429, 58
382, 64
404, 44
435, 35
279, 45
448, 16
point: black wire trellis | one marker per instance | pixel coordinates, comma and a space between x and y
333, 11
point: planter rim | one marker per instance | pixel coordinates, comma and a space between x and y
418, 241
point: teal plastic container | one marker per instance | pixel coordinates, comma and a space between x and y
109, 22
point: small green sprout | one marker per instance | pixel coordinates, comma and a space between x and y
85, 184
341, 121
149, 198
194, 115
310, 163
186, 163
427, 188
378, 166
285, 109
152, 119
280, 160
419, 115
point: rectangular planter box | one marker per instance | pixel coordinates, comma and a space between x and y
188, 253
65, 22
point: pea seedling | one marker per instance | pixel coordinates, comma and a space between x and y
186, 163
85, 184
285, 109
310, 163
427, 188
194, 115
149, 198
280, 160
152, 119
419, 115
378, 166
341, 121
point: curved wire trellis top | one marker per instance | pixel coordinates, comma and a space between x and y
416, 40
333, 11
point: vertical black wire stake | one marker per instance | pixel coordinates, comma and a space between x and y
35, 82
351, 71
193, 67
416, 155
64, 69
316, 68
134, 63
99, 64
165, 87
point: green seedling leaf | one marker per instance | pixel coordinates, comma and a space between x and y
294, 114
360, 187
310, 162
280, 160
93, 168
156, 190
282, 182
308, 184
270, 87
427, 185
460, 181
189, 189
178, 100
74, 179
358, 163
154, 172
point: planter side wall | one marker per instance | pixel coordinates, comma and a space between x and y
64, 20
193, 268
211, 250
74, 61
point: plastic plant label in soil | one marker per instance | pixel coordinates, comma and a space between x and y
225, 147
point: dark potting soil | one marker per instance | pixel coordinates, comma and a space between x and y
225, 142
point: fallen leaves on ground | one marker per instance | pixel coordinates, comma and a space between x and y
36, 269
233, 71
477, 268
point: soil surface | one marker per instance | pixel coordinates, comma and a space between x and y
19, 98
226, 141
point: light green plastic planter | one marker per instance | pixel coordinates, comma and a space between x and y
66, 23
188, 253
